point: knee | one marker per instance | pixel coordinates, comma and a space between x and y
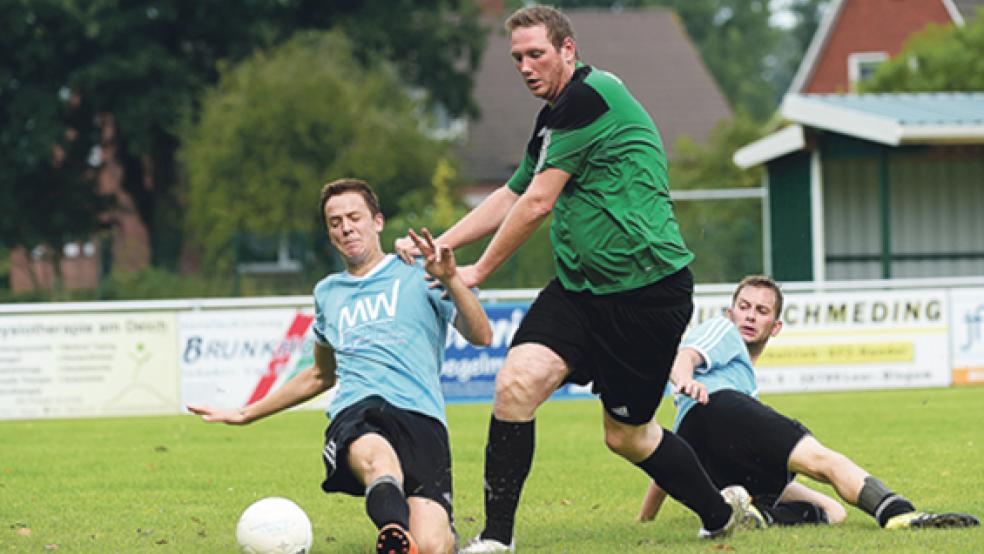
634, 443
836, 514
617, 440
519, 393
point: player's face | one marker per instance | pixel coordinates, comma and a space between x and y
545, 70
352, 228
754, 314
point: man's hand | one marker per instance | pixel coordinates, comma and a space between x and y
230, 417
438, 258
651, 503
692, 388
406, 249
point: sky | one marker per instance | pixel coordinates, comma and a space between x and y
781, 16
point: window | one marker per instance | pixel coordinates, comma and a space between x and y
861, 65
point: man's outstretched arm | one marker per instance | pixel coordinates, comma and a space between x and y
305, 385
523, 218
477, 224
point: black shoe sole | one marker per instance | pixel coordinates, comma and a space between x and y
393, 540
944, 521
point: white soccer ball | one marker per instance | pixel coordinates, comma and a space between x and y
274, 525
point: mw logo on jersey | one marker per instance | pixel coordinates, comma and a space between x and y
368, 309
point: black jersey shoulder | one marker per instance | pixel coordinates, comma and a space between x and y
579, 104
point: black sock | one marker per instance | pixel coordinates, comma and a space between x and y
793, 513
386, 504
879, 501
675, 468
508, 459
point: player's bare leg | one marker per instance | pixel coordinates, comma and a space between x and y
430, 526
857, 487
376, 465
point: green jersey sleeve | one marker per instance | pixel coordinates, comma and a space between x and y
522, 177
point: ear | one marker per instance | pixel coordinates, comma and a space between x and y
776, 327
378, 220
568, 49
730, 314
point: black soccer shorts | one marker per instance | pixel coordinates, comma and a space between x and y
741, 441
623, 343
421, 443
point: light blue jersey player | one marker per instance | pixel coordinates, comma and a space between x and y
726, 363
388, 330
380, 331
743, 443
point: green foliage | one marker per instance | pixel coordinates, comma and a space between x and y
145, 64
710, 165
444, 210
734, 39
939, 58
532, 266
46, 182
176, 484
156, 283
433, 208
725, 235
284, 122
435, 44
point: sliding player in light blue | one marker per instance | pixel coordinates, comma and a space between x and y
381, 332
741, 441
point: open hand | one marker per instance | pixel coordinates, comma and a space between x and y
438, 258
212, 415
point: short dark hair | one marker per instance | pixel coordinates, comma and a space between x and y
341, 186
557, 24
763, 281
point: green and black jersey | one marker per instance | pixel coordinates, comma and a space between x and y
613, 227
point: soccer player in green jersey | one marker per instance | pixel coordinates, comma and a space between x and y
622, 296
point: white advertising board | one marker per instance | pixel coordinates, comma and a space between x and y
853, 340
230, 358
966, 321
91, 365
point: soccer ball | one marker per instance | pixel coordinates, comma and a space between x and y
274, 525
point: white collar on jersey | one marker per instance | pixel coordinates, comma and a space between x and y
375, 269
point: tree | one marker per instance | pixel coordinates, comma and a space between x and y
46, 134
145, 64
284, 122
790, 48
939, 58
725, 235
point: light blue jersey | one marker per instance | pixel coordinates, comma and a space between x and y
727, 364
388, 330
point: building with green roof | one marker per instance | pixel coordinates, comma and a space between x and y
874, 186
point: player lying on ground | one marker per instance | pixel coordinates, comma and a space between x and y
741, 441
381, 333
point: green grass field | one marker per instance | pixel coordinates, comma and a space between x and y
176, 484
